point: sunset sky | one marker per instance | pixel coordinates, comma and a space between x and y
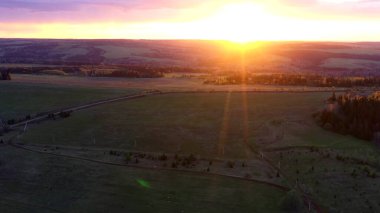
236, 20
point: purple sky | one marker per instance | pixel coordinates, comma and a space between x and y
38, 13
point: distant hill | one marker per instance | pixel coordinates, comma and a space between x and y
326, 57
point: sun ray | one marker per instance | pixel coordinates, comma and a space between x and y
223, 136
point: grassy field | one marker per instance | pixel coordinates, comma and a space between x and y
164, 84
41, 183
18, 100
122, 52
338, 172
34, 182
198, 124
340, 184
202, 123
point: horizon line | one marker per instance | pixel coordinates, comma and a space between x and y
196, 39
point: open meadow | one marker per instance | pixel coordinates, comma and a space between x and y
264, 139
21, 99
196, 106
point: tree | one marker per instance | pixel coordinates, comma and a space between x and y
5, 75
333, 98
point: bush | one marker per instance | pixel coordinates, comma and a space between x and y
230, 164
11, 121
291, 202
354, 174
65, 114
128, 157
163, 157
174, 165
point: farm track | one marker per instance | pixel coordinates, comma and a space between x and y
307, 199
280, 187
80, 107
43, 116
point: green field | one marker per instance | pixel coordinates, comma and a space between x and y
32, 182
198, 124
18, 100
341, 173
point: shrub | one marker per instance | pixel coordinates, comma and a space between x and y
230, 164
174, 165
163, 157
354, 174
65, 114
128, 157
291, 202
11, 121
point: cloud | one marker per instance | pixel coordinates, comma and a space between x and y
74, 11
48, 5
326, 9
37, 5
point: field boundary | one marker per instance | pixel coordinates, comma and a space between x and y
280, 187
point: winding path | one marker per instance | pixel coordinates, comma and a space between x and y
82, 107
45, 116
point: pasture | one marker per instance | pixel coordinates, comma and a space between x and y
334, 169
18, 100
198, 123
33, 182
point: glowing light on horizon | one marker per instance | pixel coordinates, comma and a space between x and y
240, 21
339, 1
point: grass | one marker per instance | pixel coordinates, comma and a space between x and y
351, 63
43, 183
331, 181
114, 52
19, 99
198, 124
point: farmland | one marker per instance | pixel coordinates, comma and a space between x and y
19, 100
41, 183
195, 121
111, 185
183, 145
285, 57
241, 124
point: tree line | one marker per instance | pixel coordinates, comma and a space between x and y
5, 75
118, 71
353, 114
294, 80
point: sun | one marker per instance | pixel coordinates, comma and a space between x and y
241, 23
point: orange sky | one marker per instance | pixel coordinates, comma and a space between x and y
236, 20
